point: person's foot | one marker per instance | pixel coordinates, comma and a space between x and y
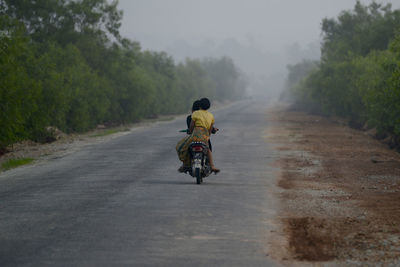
215, 170
181, 169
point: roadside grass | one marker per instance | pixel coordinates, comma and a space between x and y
14, 163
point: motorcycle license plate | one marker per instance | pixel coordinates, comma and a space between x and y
197, 163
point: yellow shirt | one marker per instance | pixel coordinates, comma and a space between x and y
203, 118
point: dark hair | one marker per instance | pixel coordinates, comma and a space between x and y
205, 103
196, 105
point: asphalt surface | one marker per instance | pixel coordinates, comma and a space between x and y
123, 203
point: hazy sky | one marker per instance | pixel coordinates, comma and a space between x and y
261, 36
271, 24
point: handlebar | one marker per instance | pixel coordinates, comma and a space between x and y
213, 131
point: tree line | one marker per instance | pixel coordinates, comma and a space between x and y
358, 75
64, 64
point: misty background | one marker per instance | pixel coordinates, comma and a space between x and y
261, 36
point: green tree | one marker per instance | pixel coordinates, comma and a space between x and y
64, 20
18, 91
64, 64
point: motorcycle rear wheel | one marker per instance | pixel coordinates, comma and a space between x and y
197, 173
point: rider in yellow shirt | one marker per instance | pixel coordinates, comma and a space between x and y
204, 119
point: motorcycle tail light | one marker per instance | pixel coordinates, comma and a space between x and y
197, 148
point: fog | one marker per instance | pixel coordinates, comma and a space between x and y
261, 36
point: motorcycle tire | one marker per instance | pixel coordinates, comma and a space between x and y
199, 179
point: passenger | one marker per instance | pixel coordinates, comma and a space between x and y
195, 106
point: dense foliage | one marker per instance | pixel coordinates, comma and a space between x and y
64, 64
358, 76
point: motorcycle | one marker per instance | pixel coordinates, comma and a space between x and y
200, 165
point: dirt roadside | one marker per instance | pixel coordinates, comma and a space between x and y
339, 193
71, 143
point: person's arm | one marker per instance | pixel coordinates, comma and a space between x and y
191, 127
188, 120
211, 128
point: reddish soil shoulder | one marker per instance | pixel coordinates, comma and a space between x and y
340, 192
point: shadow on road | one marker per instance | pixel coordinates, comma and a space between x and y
169, 182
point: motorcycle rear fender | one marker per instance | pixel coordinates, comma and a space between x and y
198, 144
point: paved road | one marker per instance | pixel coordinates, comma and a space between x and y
122, 202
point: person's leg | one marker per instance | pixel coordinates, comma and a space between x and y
185, 165
183, 153
210, 159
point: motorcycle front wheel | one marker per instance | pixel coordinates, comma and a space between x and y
197, 173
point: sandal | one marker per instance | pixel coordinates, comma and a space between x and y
181, 169
215, 170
